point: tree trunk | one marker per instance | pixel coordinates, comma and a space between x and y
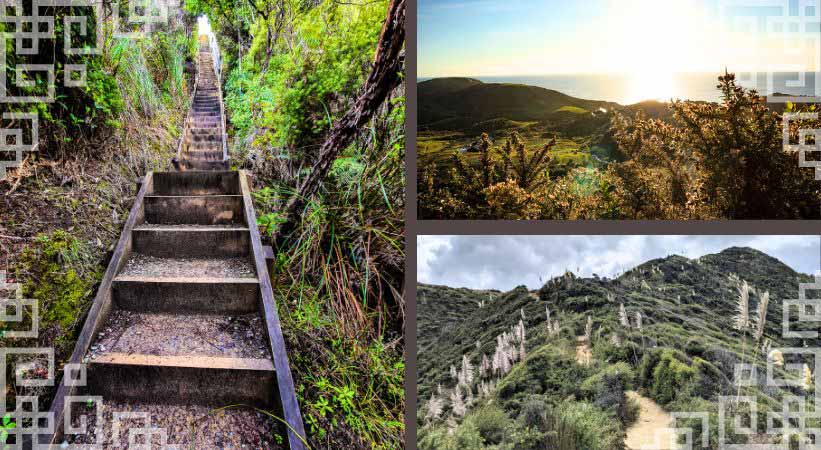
384, 78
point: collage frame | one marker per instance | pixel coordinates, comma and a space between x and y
416, 228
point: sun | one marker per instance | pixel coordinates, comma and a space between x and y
649, 85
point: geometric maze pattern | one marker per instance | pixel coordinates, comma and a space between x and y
34, 367
27, 28
799, 416
790, 27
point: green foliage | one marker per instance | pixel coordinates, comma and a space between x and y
292, 68
685, 160
667, 375
432, 438
467, 437
5, 426
711, 381
713, 161
291, 98
117, 82
606, 389
150, 72
687, 359
582, 425
345, 380
490, 422
628, 352
545, 371
506, 184
60, 273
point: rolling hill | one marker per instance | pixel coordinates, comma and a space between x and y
682, 355
459, 103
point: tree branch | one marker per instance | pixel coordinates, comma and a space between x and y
384, 77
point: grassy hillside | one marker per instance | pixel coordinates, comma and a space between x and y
681, 160
682, 356
454, 112
445, 102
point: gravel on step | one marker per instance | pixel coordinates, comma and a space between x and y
139, 264
184, 427
240, 336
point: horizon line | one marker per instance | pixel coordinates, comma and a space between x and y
620, 73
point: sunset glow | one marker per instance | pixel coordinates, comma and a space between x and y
650, 86
631, 37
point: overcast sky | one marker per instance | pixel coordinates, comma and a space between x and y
504, 262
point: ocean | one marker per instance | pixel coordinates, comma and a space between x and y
628, 90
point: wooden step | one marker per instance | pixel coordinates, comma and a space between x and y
212, 152
197, 138
191, 241
201, 165
138, 265
167, 426
195, 183
182, 379
197, 210
186, 294
182, 335
205, 145
211, 155
205, 122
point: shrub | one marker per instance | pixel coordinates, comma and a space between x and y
607, 387
467, 437
526, 438
432, 438
490, 421
672, 378
546, 371
534, 413
580, 425
628, 352
695, 347
633, 411
713, 160
711, 381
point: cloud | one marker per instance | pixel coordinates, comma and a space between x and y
503, 262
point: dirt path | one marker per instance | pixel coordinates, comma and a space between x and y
583, 353
649, 431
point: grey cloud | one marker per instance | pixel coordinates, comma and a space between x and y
503, 262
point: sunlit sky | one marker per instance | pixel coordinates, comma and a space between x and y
203, 25
537, 37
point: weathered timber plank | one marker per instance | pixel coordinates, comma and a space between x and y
285, 382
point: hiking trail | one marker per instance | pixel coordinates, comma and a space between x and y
650, 431
184, 321
584, 355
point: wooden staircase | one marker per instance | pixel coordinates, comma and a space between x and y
184, 321
203, 145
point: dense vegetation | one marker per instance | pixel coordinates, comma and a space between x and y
291, 70
684, 160
502, 370
62, 210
